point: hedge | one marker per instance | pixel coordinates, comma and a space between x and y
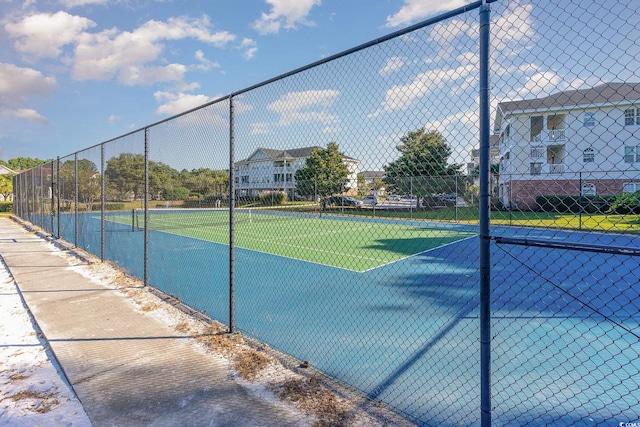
6, 206
272, 198
575, 204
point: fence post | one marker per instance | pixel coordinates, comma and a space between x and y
485, 248
40, 168
146, 206
53, 199
58, 192
580, 202
75, 178
102, 201
232, 203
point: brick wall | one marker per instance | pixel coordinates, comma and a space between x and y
524, 193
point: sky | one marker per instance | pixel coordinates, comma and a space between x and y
75, 73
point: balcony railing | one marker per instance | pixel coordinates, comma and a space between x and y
551, 136
546, 168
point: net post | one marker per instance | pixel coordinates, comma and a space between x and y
485, 248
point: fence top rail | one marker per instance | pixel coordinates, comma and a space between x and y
430, 21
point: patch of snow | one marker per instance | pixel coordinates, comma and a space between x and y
33, 391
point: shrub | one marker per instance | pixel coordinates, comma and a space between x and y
270, 198
574, 204
626, 203
96, 207
176, 193
6, 206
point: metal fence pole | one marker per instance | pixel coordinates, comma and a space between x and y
102, 202
580, 201
232, 202
75, 233
53, 199
41, 224
485, 248
146, 206
58, 192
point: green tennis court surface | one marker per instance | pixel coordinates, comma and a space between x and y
357, 244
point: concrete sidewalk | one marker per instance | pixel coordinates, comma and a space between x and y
127, 368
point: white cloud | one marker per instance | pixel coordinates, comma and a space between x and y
306, 106
542, 84
25, 114
414, 10
134, 75
113, 118
44, 35
401, 97
16, 84
393, 64
176, 103
73, 3
108, 53
205, 64
513, 30
285, 14
249, 46
260, 128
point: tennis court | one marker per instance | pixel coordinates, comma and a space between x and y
403, 326
351, 243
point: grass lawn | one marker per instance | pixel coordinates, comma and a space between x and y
469, 215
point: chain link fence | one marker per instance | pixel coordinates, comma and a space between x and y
341, 212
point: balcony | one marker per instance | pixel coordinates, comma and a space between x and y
551, 136
547, 168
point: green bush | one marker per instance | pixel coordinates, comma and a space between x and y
177, 193
271, 198
626, 203
6, 206
574, 204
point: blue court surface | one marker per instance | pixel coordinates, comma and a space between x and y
565, 324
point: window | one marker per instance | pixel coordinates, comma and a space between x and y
589, 155
632, 116
630, 187
631, 154
537, 152
245, 179
588, 189
536, 168
589, 119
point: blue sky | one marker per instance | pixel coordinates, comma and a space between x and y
75, 73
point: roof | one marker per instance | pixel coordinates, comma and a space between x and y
604, 93
607, 93
295, 153
373, 174
6, 171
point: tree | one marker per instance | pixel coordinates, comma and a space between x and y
324, 173
6, 186
88, 179
423, 166
125, 175
206, 181
22, 163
